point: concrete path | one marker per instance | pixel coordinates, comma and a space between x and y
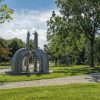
91, 78
9, 69
5, 70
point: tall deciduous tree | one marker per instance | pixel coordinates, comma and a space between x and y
84, 16
55, 48
63, 41
56, 37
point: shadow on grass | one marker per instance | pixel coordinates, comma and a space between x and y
76, 71
69, 71
94, 77
38, 74
57, 72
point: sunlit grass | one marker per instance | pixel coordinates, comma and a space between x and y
57, 72
64, 92
5, 67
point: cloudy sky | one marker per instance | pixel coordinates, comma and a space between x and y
28, 15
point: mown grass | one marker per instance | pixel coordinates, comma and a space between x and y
57, 72
64, 92
5, 67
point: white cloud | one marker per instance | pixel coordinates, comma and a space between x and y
24, 20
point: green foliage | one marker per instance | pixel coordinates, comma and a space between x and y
5, 15
4, 50
9, 47
31, 44
97, 50
78, 23
84, 16
62, 41
5, 12
63, 92
5, 67
15, 44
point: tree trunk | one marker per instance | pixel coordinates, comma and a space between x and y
92, 52
56, 62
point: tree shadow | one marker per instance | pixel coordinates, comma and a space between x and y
77, 71
94, 77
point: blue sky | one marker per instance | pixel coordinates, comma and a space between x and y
29, 15
31, 4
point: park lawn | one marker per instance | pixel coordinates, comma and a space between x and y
64, 92
5, 67
57, 72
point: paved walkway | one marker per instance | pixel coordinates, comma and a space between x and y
9, 69
5, 70
91, 78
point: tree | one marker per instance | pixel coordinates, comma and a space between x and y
56, 42
97, 50
84, 16
5, 12
62, 42
4, 50
5, 15
55, 48
15, 44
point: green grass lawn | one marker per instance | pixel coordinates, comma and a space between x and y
64, 92
5, 67
57, 72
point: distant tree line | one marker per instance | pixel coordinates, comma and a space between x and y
9, 47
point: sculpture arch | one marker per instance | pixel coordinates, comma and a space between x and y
17, 60
43, 60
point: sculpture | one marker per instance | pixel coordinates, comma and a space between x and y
22, 55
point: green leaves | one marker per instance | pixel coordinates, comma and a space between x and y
78, 22
4, 50
5, 13
84, 13
15, 44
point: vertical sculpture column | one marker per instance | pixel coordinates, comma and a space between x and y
28, 51
35, 47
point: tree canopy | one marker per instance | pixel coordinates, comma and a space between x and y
77, 26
